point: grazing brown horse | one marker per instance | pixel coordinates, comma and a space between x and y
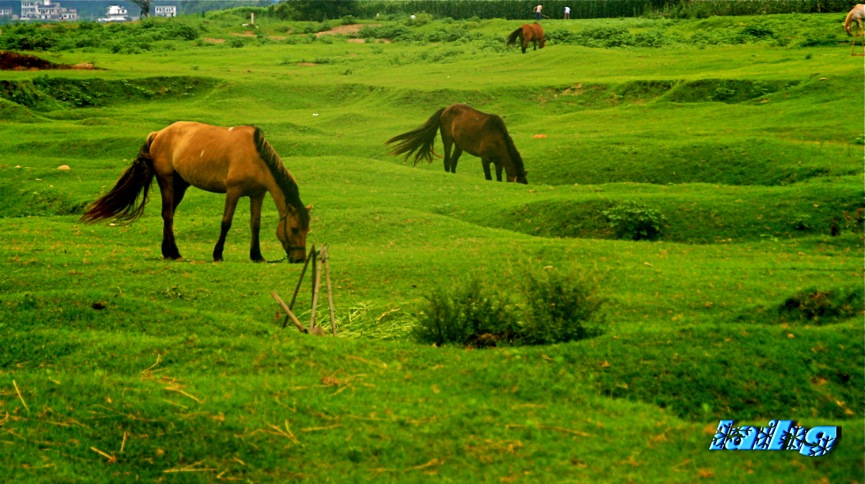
236, 161
529, 33
857, 14
464, 128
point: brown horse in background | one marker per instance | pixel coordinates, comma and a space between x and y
533, 33
236, 161
464, 128
857, 14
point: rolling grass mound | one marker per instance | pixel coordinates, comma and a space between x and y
55, 93
810, 306
731, 370
725, 161
696, 214
728, 91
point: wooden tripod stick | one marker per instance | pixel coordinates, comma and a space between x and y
316, 286
326, 262
289, 314
316, 283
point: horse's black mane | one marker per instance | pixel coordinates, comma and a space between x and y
282, 176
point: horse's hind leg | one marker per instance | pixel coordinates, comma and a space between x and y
455, 158
231, 198
179, 185
255, 202
448, 144
168, 188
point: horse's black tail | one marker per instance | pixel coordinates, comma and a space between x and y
421, 139
514, 35
122, 202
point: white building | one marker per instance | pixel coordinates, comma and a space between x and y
46, 10
115, 14
165, 11
5, 12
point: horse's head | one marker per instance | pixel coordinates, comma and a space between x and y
291, 232
519, 178
542, 42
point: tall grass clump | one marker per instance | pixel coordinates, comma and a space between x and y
635, 221
559, 307
544, 306
823, 306
472, 311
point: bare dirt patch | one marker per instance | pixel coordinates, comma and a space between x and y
13, 61
341, 30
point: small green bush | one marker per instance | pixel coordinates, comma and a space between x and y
465, 313
634, 221
392, 31
819, 306
544, 307
235, 42
560, 307
419, 19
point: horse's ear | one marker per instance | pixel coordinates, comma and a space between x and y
309, 208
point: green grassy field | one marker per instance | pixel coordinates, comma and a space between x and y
118, 365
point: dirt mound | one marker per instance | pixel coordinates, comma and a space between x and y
342, 30
13, 61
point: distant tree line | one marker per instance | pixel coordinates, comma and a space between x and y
318, 10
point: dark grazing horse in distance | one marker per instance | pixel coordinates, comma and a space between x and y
533, 33
236, 161
464, 128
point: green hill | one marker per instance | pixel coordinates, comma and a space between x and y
115, 364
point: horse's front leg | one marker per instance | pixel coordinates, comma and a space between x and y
499, 171
486, 164
169, 245
255, 202
231, 198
